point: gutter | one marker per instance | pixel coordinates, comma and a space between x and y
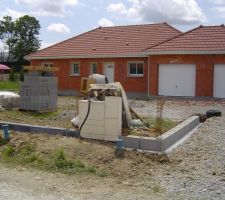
86, 56
186, 52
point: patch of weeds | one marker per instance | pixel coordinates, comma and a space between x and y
158, 189
70, 166
28, 155
2, 141
102, 174
41, 115
159, 125
8, 152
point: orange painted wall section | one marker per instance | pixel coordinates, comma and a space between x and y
204, 70
67, 82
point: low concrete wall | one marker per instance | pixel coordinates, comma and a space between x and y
42, 129
165, 141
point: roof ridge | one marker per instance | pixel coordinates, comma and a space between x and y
177, 36
62, 41
128, 25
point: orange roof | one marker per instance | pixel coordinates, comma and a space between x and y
117, 41
202, 40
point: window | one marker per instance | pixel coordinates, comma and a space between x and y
136, 69
93, 68
75, 69
47, 64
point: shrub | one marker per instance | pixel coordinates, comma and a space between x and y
12, 75
21, 75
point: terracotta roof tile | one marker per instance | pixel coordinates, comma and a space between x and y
108, 41
203, 38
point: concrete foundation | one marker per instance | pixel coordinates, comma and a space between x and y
41, 129
164, 142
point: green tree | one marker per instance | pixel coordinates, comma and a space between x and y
20, 37
8, 35
28, 29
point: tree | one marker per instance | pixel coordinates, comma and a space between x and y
20, 37
27, 29
8, 35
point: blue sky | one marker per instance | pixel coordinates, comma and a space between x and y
62, 19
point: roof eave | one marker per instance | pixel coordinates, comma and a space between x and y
142, 54
186, 52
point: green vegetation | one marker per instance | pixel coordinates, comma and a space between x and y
18, 115
28, 155
159, 125
10, 85
158, 189
20, 36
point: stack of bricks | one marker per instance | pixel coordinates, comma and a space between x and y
38, 93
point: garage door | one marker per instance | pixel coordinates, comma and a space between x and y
177, 80
219, 81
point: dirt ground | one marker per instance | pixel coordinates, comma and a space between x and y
27, 184
196, 170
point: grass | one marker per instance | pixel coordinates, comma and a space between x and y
9, 85
25, 115
27, 155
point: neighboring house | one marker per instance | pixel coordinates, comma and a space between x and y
4, 72
191, 64
148, 60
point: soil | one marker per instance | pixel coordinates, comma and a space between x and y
193, 171
26, 184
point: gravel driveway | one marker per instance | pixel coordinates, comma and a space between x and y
198, 171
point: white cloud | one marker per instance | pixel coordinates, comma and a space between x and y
13, 13
59, 28
117, 8
173, 11
48, 7
121, 9
105, 22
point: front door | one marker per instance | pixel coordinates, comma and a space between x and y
109, 71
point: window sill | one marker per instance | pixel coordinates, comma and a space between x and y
136, 76
76, 75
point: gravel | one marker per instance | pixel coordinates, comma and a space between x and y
198, 167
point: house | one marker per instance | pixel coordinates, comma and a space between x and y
154, 59
118, 52
190, 64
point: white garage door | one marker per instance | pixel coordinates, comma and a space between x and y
219, 81
177, 80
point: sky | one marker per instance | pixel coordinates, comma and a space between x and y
63, 19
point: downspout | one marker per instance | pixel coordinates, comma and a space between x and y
148, 79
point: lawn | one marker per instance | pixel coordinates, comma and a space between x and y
9, 85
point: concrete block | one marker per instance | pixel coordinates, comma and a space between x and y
131, 141
113, 107
97, 110
42, 129
150, 144
113, 127
174, 135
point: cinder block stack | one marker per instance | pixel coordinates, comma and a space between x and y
38, 93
